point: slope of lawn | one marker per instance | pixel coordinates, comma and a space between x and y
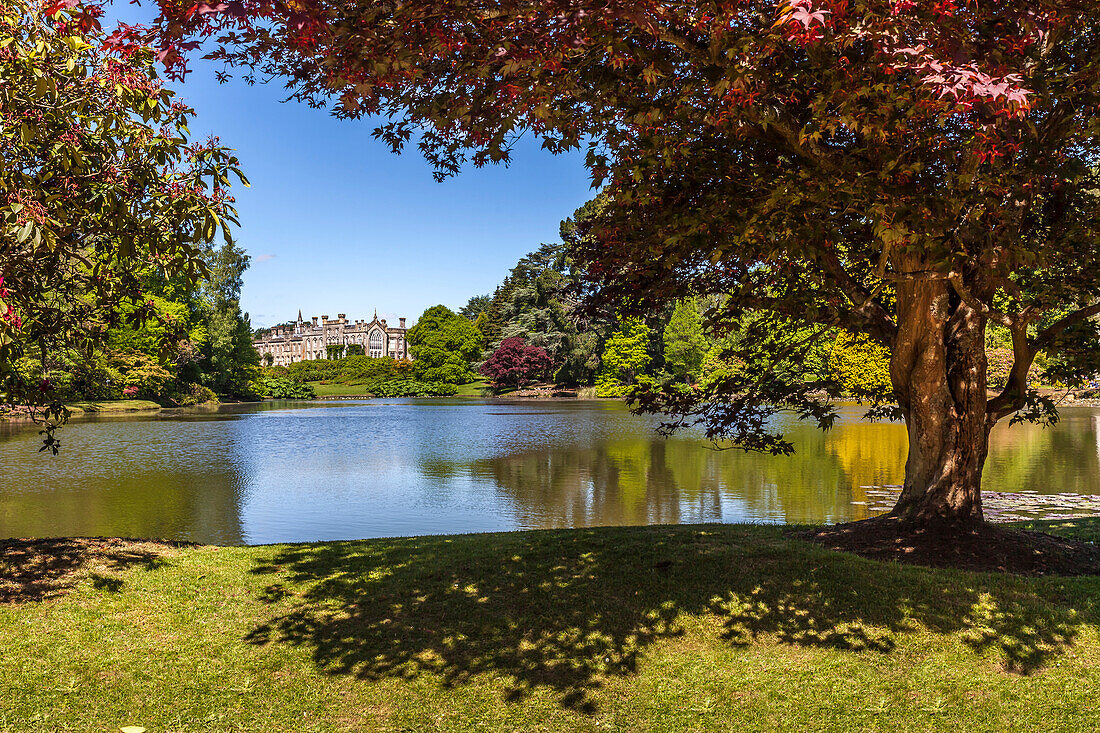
476, 388
100, 406
684, 628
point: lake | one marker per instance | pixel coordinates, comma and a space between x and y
278, 472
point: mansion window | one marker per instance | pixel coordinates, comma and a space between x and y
376, 351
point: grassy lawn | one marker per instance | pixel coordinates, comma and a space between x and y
113, 406
473, 389
700, 628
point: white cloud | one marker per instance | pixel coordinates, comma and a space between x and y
263, 258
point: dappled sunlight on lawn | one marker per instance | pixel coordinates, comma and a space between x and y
567, 611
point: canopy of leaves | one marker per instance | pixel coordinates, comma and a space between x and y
443, 344
818, 161
515, 363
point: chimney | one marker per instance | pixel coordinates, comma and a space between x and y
342, 316
315, 321
324, 319
402, 320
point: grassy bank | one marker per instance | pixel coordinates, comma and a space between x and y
104, 406
706, 628
476, 388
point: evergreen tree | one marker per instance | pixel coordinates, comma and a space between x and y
475, 306
624, 358
685, 342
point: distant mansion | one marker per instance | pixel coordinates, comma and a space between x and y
307, 341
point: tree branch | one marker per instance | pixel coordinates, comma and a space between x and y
866, 308
956, 280
1051, 332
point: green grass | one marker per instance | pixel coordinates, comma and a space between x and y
113, 406
476, 388
689, 628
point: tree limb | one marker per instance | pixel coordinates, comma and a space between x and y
1051, 332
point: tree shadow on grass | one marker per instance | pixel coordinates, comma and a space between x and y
566, 610
38, 569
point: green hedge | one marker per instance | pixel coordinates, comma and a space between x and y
410, 388
271, 385
349, 370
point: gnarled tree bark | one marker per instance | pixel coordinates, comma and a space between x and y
938, 371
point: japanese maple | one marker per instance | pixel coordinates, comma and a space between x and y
515, 363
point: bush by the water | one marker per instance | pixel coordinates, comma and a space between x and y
276, 386
410, 388
189, 395
860, 365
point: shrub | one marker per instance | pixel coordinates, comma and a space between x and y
189, 395
363, 369
1000, 365
143, 377
411, 388
314, 370
280, 387
860, 365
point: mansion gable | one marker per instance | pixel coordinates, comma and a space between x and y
305, 341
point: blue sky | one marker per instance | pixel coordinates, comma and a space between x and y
335, 223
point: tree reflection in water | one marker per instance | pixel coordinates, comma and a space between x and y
645, 479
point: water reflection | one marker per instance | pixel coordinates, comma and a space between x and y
306, 472
125, 478
644, 480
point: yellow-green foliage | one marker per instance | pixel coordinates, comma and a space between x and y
624, 358
861, 365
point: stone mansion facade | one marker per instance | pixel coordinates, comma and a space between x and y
306, 341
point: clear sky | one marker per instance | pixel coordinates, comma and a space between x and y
335, 223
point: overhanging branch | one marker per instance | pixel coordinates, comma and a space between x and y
1046, 336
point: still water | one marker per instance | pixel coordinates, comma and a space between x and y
318, 471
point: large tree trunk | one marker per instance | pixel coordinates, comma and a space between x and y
938, 370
